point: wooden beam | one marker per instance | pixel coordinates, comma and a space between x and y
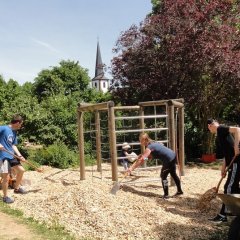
175, 103
83, 107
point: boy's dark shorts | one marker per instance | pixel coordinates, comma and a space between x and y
14, 162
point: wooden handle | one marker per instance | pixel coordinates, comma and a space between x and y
19, 158
217, 188
126, 173
225, 171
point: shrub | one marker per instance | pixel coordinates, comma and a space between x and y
57, 155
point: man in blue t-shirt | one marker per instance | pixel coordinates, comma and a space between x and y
168, 157
8, 142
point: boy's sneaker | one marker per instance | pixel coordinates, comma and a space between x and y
218, 219
20, 191
8, 200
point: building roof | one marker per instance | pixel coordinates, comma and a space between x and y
99, 68
100, 77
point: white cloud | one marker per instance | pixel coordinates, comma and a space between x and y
46, 45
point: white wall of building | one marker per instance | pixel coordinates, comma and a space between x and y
101, 85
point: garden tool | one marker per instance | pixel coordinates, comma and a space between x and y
117, 184
212, 193
27, 162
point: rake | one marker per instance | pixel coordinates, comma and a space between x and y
30, 164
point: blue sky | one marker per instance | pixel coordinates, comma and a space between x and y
38, 34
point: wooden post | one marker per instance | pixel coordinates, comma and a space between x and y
171, 130
112, 139
98, 141
142, 126
181, 140
81, 144
171, 127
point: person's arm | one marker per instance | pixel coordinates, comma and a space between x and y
18, 153
236, 133
125, 153
223, 172
140, 160
1, 147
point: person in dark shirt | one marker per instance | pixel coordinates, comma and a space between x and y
168, 157
228, 139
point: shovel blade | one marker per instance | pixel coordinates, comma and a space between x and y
115, 188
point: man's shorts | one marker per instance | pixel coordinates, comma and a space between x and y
14, 162
6, 164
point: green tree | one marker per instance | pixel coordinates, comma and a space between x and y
59, 90
2, 91
49, 108
65, 79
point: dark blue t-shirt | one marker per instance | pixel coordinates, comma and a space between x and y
158, 150
8, 137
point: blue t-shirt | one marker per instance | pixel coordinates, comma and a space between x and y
8, 138
160, 151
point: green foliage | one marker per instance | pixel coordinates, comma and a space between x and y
65, 79
49, 107
57, 155
157, 5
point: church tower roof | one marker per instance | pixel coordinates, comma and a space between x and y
99, 64
99, 81
99, 67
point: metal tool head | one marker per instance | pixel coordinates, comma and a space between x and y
115, 188
232, 201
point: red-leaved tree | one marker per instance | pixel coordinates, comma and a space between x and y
189, 49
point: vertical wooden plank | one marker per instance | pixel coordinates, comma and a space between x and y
112, 138
181, 140
171, 127
142, 126
98, 141
81, 145
171, 130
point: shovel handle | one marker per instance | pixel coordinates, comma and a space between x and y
219, 183
126, 173
30, 164
225, 171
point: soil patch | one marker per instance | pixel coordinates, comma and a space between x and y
12, 229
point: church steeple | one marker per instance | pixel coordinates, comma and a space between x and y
99, 65
100, 82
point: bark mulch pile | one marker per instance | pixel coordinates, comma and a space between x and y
88, 210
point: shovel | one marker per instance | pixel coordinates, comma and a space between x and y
212, 193
30, 164
117, 184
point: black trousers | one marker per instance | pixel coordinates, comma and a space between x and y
170, 168
232, 183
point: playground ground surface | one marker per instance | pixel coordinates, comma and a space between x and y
87, 209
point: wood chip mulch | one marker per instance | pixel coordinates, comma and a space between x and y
88, 210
